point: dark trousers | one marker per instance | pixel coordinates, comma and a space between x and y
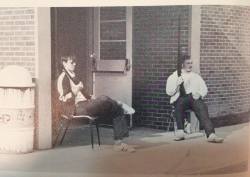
106, 110
200, 109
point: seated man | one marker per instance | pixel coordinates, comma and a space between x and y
76, 101
195, 90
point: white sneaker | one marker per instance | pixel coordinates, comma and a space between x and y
127, 148
180, 135
123, 147
187, 127
212, 138
127, 109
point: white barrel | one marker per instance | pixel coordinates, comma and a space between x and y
16, 110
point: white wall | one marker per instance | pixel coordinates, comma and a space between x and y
43, 63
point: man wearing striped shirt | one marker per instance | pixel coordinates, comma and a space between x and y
76, 101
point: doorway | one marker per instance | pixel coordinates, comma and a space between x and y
71, 34
103, 31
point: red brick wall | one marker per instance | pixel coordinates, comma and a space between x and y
17, 38
225, 58
155, 44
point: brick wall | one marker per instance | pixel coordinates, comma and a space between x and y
155, 43
17, 37
225, 58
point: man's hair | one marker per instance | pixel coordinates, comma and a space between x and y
65, 58
184, 58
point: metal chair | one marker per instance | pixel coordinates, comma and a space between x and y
92, 120
189, 119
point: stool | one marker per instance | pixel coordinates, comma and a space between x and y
194, 122
92, 120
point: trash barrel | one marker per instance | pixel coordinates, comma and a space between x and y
16, 110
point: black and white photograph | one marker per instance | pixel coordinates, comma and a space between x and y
124, 90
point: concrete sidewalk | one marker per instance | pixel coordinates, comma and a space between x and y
157, 155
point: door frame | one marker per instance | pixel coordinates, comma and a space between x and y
90, 48
129, 33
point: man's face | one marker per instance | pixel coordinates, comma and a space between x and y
187, 65
70, 65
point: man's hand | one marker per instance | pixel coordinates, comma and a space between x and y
77, 88
92, 97
180, 80
196, 96
80, 86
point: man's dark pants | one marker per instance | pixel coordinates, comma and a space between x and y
106, 110
200, 109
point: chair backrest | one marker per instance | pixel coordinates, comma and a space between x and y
68, 107
56, 104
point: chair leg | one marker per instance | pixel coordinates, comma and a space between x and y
174, 122
64, 133
91, 133
97, 130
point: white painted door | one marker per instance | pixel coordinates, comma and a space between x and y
112, 45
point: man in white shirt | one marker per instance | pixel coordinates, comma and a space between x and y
75, 100
195, 90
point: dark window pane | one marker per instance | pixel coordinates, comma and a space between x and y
113, 13
113, 31
113, 50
